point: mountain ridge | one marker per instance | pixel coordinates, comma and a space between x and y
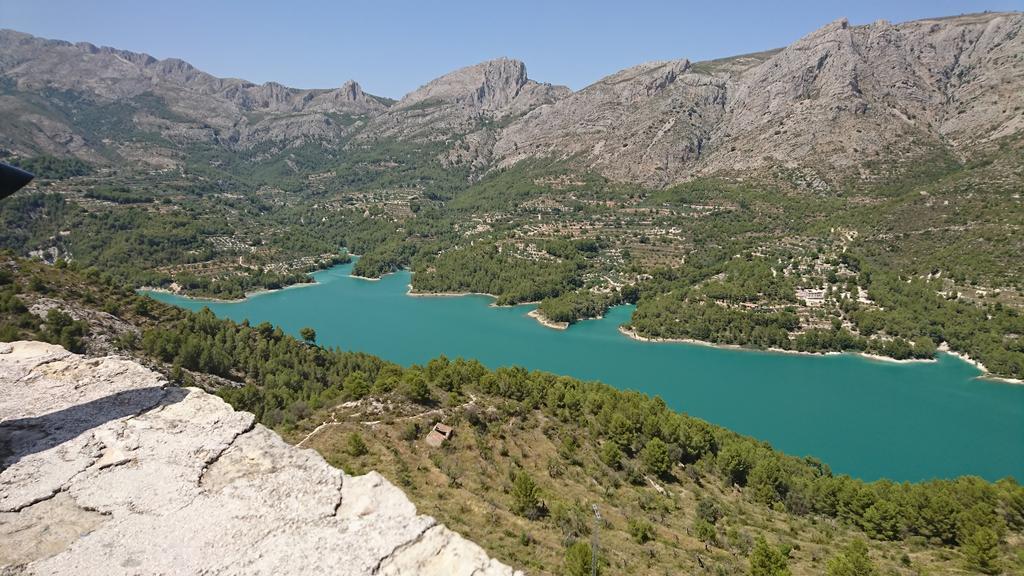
860, 100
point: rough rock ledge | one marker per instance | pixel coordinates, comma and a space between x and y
105, 469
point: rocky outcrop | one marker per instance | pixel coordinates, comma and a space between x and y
105, 469
460, 106
498, 85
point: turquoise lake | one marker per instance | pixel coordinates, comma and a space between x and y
867, 418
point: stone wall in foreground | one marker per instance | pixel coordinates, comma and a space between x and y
105, 469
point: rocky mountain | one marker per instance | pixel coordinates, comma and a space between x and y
68, 98
38, 64
858, 100
841, 97
96, 452
629, 125
460, 109
500, 86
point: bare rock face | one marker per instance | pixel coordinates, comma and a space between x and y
846, 94
111, 74
498, 85
637, 124
840, 98
105, 469
169, 97
457, 104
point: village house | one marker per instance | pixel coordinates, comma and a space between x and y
811, 296
438, 434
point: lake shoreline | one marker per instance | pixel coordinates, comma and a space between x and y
244, 298
539, 316
536, 314
944, 348
629, 333
410, 291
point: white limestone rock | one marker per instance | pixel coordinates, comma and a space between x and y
106, 469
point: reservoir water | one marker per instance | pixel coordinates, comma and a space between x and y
867, 418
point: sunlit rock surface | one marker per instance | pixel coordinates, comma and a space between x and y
105, 469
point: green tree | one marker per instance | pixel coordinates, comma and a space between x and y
853, 560
882, 520
526, 496
924, 347
415, 387
577, 560
735, 462
655, 457
61, 328
766, 481
308, 335
981, 551
704, 531
611, 455
356, 445
571, 519
708, 510
356, 385
641, 530
766, 560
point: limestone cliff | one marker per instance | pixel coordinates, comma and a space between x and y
105, 469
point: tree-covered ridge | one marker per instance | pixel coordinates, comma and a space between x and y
169, 231
54, 168
497, 270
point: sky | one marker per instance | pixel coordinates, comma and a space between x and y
392, 47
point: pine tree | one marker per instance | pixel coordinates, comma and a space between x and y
981, 551
356, 445
356, 386
852, 561
526, 496
766, 560
577, 560
655, 457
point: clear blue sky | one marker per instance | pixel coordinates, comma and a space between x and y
391, 47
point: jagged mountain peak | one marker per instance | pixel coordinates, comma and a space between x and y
492, 84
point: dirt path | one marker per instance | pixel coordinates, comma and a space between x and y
325, 423
334, 419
